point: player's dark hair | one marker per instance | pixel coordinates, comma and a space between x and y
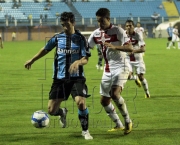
130, 21
65, 16
103, 12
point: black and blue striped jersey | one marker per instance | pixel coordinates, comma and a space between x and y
68, 50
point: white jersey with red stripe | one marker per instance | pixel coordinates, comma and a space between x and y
115, 35
140, 31
137, 42
175, 36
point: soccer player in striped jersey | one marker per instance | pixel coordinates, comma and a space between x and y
170, 32
136, 58
71, 54
114, 43
1, 42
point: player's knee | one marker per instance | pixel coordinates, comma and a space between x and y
141, 77
105, 101
81, 103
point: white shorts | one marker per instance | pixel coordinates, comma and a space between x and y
139, 68
117, 77
175, 38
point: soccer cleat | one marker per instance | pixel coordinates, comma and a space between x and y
168, 47
86, 135
101, 68
137, 81
62, 118
174, 47
116, 129
147, 95
128, 127
97, 66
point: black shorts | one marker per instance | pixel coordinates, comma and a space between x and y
169, 38
61, 89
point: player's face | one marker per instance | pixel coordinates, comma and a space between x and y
68, 27
103, 22
138, 25
129, 28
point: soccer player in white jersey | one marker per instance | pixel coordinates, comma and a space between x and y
139, 30
1, 42
112, 40
175, 38
135, 57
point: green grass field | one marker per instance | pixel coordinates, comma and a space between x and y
156, 120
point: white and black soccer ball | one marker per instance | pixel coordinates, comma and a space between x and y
40, 119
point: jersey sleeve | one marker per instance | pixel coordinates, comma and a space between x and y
122, 36
140, 40
91, 42
85, 49
51, 44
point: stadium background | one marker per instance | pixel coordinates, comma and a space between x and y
37, 19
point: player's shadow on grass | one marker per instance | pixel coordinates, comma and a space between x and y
104, 135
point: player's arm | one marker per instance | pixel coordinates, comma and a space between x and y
43, 51
75, 66
141, 44
128, 47
85, 53
40, 54
140, 50
123, 39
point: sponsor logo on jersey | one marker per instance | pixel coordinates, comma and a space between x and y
67, 51
97, 34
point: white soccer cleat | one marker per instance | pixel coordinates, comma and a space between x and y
86, 135
62, 118
97, 66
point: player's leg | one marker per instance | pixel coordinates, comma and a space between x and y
79, 93
118, 84
105, 88
169, 41
136, 78
141, 72
57, 94
173, 42
100, 59
133, 76
178, 44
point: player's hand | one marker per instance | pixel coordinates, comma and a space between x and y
74, 67
109, 45
28, 64
128, 47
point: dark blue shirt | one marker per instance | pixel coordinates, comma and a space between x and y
68, 50
170, 31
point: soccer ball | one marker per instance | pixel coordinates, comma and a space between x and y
40, 119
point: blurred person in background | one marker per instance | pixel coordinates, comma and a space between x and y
170, 33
